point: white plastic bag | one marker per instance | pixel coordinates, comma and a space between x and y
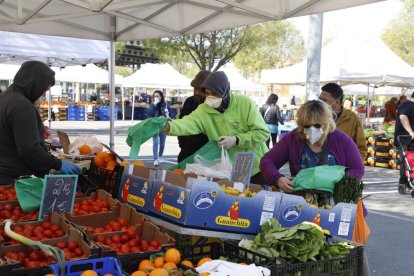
224, 268
218, 168
89, 140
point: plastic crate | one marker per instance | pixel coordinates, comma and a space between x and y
85, 185
195, 253
102, 266
350, 265
103, 178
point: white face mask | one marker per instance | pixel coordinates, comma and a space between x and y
313, 134
213, 101
157, 100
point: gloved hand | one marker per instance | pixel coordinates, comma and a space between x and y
69, 168
227, 141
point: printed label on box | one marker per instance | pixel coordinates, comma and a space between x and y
346, 214
266, 216
343, 229
270, 202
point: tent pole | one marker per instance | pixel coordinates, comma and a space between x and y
111, 65
49, 108
122, 102
133, 103
313, 71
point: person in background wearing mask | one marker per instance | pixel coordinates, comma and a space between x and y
314, 142
22, 148
346, 120
158, 108
190, 144
232, 120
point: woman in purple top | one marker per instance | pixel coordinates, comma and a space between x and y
315, 141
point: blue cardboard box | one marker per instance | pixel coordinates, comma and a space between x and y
169, 198
203, 203
212, 208
135, 186
339, 220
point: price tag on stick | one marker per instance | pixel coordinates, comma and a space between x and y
242, 167
58, 194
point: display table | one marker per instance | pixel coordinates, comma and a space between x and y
198, 232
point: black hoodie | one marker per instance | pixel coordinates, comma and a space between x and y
22, 150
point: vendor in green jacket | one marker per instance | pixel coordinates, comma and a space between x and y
233, 121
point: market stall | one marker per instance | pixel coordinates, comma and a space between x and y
139, 219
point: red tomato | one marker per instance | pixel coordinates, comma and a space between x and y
154, 243
116, 238
72, 245
61, 245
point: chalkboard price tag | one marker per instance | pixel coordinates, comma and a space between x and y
242, 167
58, 194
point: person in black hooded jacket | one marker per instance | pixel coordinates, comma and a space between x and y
22, 150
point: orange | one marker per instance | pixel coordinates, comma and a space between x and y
173, 255
187, 263
139, 273
85, 150
99, 159
179, 171
89, 273
145, 265
170, 265
204, 274
108, 274
159, 272
159, 262
110, 157
138, 163
50, 274
110, 165
203, 260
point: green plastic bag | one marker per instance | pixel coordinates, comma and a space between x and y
29, 193
321, 178
141, 132
209, 151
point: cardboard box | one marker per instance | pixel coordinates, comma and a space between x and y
90, 249
206, 205
101, 219
339, 221
102, 195
26, 216
135, 187
212, 208
53, 218
147, 231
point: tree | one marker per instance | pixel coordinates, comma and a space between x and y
274, 44
399, 34
209, 51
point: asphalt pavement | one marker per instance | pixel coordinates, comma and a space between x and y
390, 214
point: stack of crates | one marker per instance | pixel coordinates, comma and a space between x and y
102, 113
62, 115
76, 113
382, 153
44, 112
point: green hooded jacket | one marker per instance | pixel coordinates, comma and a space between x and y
242, 119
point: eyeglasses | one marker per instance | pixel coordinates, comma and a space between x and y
315, 125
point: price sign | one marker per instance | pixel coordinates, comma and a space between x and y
242, 167
58, 194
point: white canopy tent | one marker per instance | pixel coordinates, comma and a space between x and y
120, 20
157, 76
16, 48
350, 60
85, 74
237, 81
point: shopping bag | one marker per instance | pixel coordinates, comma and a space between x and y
209, 151
29, 193
218, 168
89, 140
321, 178
361, 229
141, 132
